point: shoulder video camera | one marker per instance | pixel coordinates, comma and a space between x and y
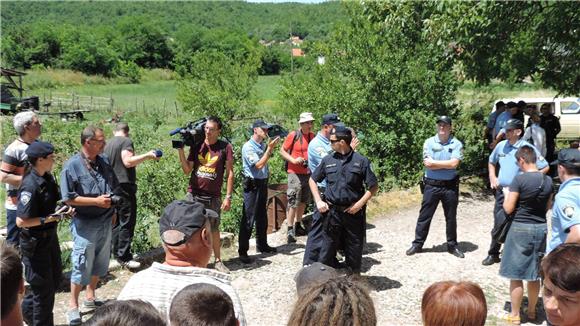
191, 134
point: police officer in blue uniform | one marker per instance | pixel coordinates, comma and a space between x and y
441, 156
504, 156
255, 156
37, 200
346, 173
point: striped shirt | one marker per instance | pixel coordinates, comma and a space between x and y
14, 161
160, 283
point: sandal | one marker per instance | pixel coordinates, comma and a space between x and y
532, 315
511, 320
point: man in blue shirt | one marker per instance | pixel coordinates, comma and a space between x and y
504, 155
566, 209
490, 131
318, 148
441, 156
501, 121
87, 182
255, 156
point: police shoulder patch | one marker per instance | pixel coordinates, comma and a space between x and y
569, 211
25, 197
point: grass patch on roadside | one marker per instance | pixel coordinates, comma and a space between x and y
394, 200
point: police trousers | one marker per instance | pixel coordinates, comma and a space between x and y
347, 229
449, 198
498, 217
315, 236
43, 271
124, 230
254, 212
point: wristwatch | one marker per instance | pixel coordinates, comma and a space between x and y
42, 219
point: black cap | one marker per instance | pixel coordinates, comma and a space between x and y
514, 124
444, 119
39, 149
260, 124
313, 275
330, 119
184, 216
568, 157
341, 130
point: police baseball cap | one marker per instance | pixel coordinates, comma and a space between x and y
330, 119
313, 275
444, 119
514, 124
261, 124
568, 157
39, 149
183, 216
341, 130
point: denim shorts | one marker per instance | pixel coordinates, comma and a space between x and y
523, 248
91, 249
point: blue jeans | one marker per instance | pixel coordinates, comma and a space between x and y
91, 250
12, 231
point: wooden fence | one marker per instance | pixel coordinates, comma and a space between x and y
72, 101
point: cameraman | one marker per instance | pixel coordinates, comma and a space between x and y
208, 161
122, 158
87, 182
295, 152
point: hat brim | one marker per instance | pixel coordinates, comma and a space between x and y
305, 120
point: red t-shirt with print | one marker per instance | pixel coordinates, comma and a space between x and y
209, 165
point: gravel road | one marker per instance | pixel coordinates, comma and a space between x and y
396, 281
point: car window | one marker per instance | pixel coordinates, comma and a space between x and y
569, 107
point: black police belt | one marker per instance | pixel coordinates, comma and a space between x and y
43, 232
441, 183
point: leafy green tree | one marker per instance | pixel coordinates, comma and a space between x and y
87, 52
31, 45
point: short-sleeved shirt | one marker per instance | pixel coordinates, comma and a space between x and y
296, 144
505, 154
77, 180
252, 152
115, 146
209, 165
439, 151
534, 190
565, 212
318, 148
501, 121
346, 177
37, 197
14, 161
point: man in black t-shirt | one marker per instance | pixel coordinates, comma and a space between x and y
122, 158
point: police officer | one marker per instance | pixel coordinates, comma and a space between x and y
37, 200
504, 155
346, 173
255, 156
441, 156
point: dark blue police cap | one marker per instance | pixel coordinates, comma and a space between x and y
341, 130
39, 149
330, 119
261, 124
569, 157
444, 119
514, 124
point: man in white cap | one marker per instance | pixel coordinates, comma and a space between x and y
295, 152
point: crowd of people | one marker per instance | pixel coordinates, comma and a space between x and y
98, 189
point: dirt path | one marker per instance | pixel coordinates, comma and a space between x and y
267, 290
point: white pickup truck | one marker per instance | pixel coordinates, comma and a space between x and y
566, 109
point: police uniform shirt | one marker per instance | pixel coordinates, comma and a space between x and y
346, 176
500, 122
252, 152
439, 151
37, 197
565, 212
318, 148
78, 179
491, 121
505, 154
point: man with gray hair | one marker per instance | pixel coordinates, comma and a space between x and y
86, 183
14, 163
123, 159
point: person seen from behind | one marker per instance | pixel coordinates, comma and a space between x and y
202, 304
453, 303
12, 285
127, 313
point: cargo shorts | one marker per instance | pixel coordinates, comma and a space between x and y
213, 203
298, 189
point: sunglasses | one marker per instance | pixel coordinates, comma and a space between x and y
332, 141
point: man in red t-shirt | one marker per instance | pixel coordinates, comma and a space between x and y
295, 152
208, 162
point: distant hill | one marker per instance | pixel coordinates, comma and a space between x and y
260, 20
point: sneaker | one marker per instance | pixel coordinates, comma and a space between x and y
220, 267
131, 264
73, 317
291, 237
92, 304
